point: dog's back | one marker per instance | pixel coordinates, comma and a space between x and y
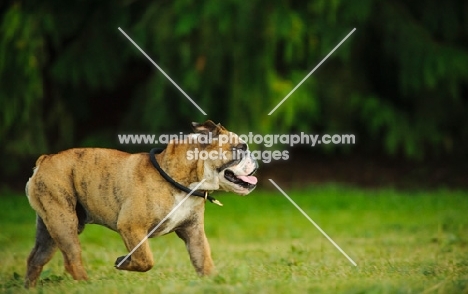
70, 177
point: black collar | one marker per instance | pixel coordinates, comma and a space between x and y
174, 183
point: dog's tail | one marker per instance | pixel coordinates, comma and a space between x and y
38, 162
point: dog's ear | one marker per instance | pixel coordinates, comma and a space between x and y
207, 127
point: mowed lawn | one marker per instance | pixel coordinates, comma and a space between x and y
402, 242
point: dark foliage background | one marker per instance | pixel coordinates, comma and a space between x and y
69, 78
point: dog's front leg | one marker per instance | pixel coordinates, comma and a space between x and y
198, 248
142, 259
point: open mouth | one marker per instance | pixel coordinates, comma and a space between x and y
247, 181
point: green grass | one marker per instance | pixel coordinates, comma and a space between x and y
403, 242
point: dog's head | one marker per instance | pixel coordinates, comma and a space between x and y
227, 159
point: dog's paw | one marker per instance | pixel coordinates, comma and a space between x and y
118, 262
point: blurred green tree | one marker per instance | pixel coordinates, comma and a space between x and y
68, 77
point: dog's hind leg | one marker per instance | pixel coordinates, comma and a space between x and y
42, 252
64, 230
57, 206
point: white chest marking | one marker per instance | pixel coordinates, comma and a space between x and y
180, 214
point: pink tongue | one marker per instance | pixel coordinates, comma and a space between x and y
249, 179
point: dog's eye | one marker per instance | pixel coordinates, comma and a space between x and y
241, 146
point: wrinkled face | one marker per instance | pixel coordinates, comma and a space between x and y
227, 158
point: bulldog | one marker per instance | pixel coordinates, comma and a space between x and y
127, 194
